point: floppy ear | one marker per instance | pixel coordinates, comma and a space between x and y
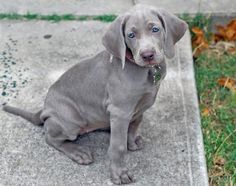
174, 31
114, 40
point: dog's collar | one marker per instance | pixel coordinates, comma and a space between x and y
155, 73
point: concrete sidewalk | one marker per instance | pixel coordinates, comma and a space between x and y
34, 54
95, 7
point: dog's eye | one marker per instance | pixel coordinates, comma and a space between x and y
131, 35
155, 29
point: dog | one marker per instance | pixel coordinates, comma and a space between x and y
112, 89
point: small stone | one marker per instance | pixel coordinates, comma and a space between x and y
14, 84
4, 93
47, 36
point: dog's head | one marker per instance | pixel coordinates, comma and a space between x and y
144, 35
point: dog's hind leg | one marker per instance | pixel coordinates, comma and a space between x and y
57, 137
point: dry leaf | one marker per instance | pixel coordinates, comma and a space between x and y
226, 33
229, 33
232, 24
219, 161
218, 167
232, 50
222, 47
217, 37
199, 41
221, 30
206, 112
228, 83
216, 170
197, 31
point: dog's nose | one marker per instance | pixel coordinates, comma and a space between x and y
147, 55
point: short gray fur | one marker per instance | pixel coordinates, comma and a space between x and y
173, 153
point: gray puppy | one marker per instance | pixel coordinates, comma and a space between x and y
111, 89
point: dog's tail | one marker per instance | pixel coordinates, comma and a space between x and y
31, 117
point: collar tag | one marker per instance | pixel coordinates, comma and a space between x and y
155, 72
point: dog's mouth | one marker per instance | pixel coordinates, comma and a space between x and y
151, 63
129, 55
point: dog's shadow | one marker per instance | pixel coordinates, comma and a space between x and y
97, 142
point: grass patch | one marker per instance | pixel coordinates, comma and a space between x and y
199, 20
57, 18
105, 18
12, 16
219, 126
30, 16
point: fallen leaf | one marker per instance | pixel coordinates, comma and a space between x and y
197, 31
232, 50
206, 112
217, 37
229, 33
219, 161
228, 83
199, 41
221, 30
222, 47
225, 33
216, 170
232, 24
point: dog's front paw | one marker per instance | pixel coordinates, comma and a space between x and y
136, 144
121, 175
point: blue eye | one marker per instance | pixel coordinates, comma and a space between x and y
131, 35
155, 29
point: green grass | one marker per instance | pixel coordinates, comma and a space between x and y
219, 127
199, 20
57, 18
